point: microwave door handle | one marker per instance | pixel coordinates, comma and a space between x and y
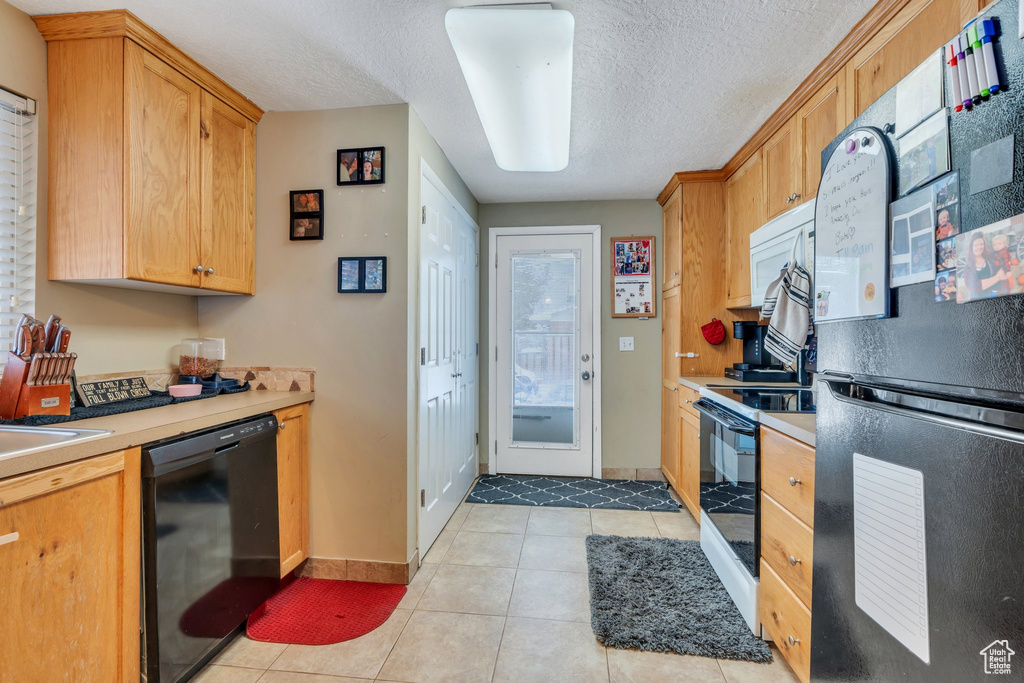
973, 427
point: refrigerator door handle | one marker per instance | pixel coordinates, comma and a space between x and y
836, 387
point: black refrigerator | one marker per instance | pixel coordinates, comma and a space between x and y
919, 474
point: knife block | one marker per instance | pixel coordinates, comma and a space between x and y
17, 399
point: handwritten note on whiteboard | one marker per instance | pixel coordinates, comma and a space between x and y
851, 226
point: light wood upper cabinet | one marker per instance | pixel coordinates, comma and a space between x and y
228, 194
672, 240
162, 226
293, 484
745, 208
69, 571
918, 30
817, 124
781, 173
152, 162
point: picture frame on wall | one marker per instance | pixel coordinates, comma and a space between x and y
362, 275
361, 166
306, 209
633, 294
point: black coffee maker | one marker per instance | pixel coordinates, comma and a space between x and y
758, 365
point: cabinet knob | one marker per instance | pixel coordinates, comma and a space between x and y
281, 425
199, 269
793, 641
795, 560
674, 389
675, 272
209, 271
789, 200
793, 482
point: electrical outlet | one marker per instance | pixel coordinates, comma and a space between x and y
625, 343
222, 349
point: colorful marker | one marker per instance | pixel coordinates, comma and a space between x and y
961, 70
958, 101
987, 35
979, 59
972, 71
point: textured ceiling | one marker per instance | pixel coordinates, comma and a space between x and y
658, 86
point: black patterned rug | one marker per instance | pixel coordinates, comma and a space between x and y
725, 497
572, 492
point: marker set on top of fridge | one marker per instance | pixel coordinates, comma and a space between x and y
972, 62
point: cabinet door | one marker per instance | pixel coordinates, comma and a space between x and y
917, 31
69, 571
781, 171
670, 334
818, 123
745, 209
689, 469
293, 484
672, 228
228, 193
162, 172
670, 432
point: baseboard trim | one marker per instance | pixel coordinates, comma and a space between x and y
633, 473
361, 570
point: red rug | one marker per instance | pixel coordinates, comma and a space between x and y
322, 611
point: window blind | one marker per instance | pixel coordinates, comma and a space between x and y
18, 156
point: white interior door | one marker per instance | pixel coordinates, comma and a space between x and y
448, 383
545, 354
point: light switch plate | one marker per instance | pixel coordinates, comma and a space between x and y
625, 343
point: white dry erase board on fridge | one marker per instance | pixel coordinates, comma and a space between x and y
851, 230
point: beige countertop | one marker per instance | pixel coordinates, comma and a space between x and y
800, 426
143, 426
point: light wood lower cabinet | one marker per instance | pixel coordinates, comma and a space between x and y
787, 621
293, 484
69, 571
787, 546
670, 433
688, 486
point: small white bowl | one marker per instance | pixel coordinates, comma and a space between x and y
183, 390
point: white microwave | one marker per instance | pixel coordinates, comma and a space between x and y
772, 243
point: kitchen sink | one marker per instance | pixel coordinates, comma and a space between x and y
16, 441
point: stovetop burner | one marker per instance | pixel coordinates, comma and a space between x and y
770, 399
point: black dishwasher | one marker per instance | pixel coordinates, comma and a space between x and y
210, 551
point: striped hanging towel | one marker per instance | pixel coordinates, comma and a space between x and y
787, 302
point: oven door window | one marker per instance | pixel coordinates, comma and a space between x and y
728, 489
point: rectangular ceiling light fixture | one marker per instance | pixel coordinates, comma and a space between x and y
517, 61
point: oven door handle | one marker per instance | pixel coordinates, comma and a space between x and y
719, 418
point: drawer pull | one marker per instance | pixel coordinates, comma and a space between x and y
793, 641
793, 482
795, 560
9, 538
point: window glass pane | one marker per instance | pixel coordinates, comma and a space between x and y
544, 324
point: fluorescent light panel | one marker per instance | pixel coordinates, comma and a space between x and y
518, 66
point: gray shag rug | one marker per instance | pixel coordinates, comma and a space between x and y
662, 595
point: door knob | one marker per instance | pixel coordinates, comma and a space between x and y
585, 375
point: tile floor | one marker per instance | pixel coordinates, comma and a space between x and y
501, 596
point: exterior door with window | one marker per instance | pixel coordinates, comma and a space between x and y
545, 355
